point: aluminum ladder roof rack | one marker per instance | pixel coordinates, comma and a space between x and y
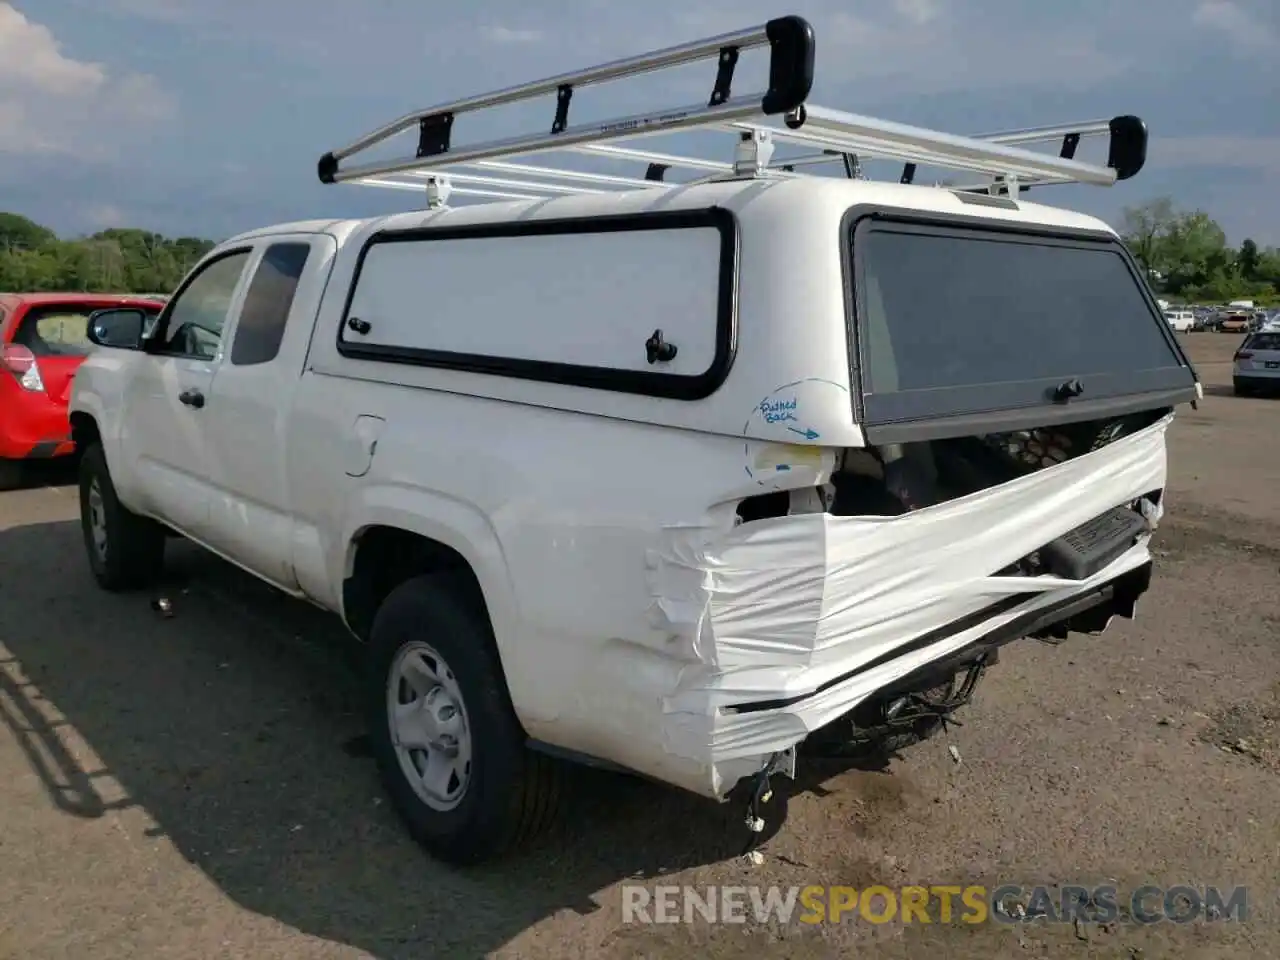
777, 114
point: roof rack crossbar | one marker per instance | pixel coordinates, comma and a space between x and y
479, 180
529, 170
463, 191
540, 180
808, 160
778, 114
650, 156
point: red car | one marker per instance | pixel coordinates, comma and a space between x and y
42, 342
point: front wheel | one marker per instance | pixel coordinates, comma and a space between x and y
449, 747
126, 551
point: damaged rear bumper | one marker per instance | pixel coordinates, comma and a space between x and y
789, 623
1090, 611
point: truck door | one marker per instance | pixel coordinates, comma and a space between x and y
165, 399
249, 404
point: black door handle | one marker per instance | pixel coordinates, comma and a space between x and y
192, 398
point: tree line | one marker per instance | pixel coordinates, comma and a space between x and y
1187, 256
34, 259
1185, 253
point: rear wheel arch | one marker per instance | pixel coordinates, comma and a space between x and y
383, 556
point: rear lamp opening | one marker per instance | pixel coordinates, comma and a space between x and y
21, 362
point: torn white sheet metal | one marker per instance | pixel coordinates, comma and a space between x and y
777, 608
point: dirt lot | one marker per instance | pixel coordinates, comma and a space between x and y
197, 786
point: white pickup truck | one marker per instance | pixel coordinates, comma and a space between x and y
672, 477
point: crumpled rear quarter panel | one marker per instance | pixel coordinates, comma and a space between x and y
777, 608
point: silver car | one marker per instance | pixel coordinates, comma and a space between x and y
1256, 366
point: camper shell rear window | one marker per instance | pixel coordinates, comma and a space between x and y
1002, 326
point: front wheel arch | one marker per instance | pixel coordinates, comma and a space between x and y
84, 430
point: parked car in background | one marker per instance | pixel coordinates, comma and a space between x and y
1235, 322
1204, 321
43, 339
1180, 320
1256, 365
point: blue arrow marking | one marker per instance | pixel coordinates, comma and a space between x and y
806, 433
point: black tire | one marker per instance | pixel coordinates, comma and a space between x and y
1240, 390
132, 556
11, 474
513, 793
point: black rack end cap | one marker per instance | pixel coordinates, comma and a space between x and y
327, 168
1128, 152
791, 44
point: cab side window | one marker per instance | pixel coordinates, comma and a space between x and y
198, 314
267, 304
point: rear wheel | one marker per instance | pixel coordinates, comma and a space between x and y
126, 551
449, 747
11, 474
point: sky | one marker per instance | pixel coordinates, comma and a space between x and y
206, 117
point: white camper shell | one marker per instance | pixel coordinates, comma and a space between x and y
676, 477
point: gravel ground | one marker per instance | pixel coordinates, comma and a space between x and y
198, 786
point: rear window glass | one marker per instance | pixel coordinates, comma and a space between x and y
957, 322
57, 330
1263, 341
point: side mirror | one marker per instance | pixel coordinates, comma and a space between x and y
123, 328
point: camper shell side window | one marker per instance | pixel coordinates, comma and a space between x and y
640, 303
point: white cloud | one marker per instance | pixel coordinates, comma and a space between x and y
31, 59
918, 11
1247, 32
53, 103
929, 51
905, 47
1238, 152
165, 11
105, 215
503, 34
